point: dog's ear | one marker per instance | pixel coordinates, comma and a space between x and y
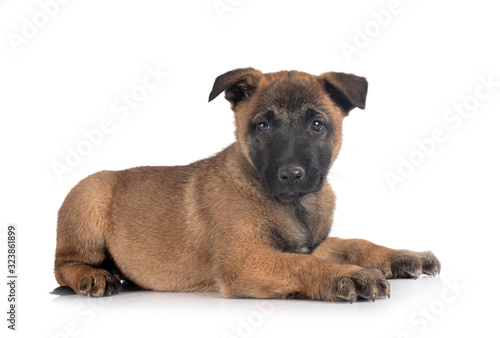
239, 84
346, 90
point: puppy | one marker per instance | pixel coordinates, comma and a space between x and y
251, 221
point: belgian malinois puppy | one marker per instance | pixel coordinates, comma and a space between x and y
251, 221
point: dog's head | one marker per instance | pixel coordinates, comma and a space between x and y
289, 124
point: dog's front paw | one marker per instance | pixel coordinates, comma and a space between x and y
411, 264
368, 284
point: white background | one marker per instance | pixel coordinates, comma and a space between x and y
428, 57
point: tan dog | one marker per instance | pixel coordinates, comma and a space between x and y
251, 221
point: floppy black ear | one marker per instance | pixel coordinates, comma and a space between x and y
239, 84
346, 90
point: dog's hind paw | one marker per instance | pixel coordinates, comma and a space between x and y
99, 283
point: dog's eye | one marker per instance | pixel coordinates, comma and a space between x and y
316, 126
263, 127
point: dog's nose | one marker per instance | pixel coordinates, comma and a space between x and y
291, 175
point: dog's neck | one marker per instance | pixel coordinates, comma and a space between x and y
308, 215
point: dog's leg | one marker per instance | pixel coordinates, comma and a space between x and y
392, 263
85, 279
265, 273
81, 243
